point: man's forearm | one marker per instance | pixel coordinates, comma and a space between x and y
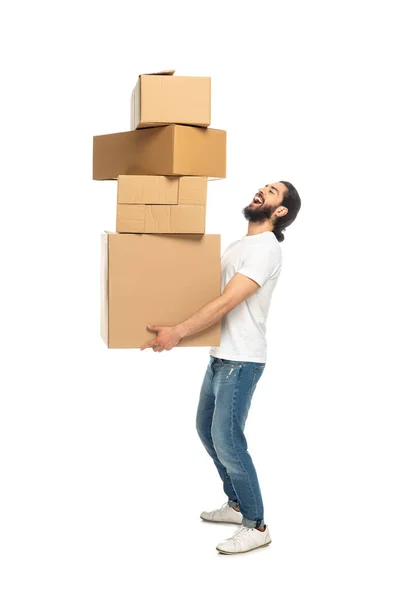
208, 315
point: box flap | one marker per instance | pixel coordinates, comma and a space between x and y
168, 72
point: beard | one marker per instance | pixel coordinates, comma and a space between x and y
256, 214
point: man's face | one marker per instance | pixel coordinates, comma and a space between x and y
264, 203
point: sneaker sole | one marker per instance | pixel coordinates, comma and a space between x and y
213, 521
243, 551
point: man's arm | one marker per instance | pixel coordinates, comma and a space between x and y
238, 289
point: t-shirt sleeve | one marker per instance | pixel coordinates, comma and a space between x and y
260, 264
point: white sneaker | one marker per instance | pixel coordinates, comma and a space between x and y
244, 540
225, 514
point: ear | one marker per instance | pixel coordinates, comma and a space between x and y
281, 211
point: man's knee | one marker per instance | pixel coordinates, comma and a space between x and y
226, 448
222, 444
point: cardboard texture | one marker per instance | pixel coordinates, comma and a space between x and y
153, 189
170, 150
160, 99
164, 218
157, 279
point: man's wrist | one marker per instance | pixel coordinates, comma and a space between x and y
180, 330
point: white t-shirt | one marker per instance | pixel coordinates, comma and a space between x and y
243, 329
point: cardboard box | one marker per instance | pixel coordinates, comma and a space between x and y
157, 280
162, 218
169, 150
153, 189
160, 99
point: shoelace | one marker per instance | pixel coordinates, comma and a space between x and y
240, 533
222, 507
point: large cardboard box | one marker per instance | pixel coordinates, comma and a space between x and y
158, 280
168, 150
162, 218
161, 99
153, 189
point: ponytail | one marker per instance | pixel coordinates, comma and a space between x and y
278, 234
292, 202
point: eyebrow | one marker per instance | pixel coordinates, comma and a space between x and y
274, 188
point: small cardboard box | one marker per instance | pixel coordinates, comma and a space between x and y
162, 218
153, 189
161, 99
157, 280
170, 150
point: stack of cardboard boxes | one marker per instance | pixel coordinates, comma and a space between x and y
160, 266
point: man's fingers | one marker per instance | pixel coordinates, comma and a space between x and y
152, 344
147, 345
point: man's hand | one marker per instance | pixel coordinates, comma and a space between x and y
167, 338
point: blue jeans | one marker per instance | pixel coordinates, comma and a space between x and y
224, 403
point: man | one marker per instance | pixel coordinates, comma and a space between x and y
250, 270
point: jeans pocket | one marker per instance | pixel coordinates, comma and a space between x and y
228, 360
228, 370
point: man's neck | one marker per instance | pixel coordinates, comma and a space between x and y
259, 227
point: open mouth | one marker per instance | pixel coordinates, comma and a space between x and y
258, 199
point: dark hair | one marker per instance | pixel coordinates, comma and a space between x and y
292, 202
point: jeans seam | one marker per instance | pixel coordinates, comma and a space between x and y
253, 383
212, 442
234, 446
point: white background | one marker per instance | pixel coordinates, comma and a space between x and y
102, 474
